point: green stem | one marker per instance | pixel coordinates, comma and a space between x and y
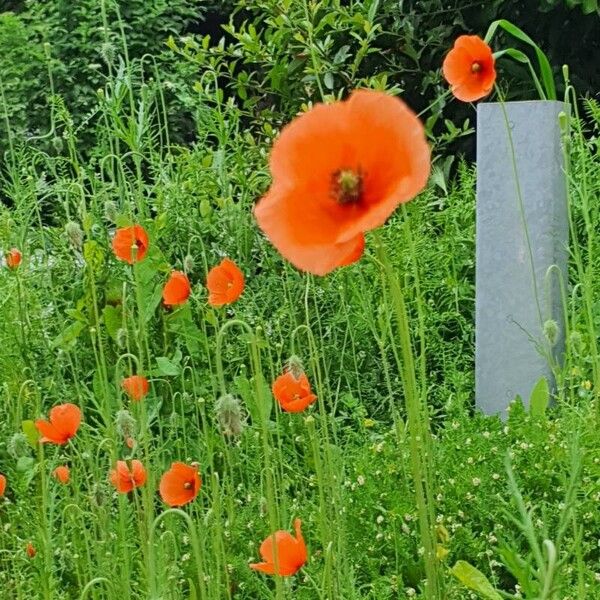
418, 429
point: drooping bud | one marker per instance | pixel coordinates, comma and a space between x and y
110, 211
17, 446
576, 341
294, 366
75, 234
230, 415
551, 331
188, 263
121, 337
125, 424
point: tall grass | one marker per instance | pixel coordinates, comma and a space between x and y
74, 322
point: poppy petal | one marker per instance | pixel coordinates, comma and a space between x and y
49, 433
177, 289
299, 404
264, 567
66, 418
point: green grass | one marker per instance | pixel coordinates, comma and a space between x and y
74, 321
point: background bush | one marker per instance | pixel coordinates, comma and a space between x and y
259, 50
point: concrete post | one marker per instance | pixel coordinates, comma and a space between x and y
522, 229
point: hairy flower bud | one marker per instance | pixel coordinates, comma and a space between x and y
551, 331
230, 415
110, 211
74, 234
188, 263
17, 446
125, 424
294, 366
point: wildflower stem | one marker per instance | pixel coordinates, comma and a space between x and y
418, 429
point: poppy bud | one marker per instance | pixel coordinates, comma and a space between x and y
576, 341
125, 424
551, 331
121, 337
30, 549
75, 234
230, 415
295, 367
188, 263
110, 211
17, 446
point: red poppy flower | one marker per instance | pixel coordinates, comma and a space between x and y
125, 478
225, 283
30, 549
62, 425
130, 243
293, 393
136, 387
62, 474
180, 484
291, 553
177, 289
2, 485
340, 170
469, 68
13, 258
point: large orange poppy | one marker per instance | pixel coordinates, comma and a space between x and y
338, 171
136, 387
291, 553
180, 484
225, 283
2, 485
13, 258
126, 478
177, 289
62, 425
469, 68
130, 243
293, 393
62, 474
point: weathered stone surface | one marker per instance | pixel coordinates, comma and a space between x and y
513, 296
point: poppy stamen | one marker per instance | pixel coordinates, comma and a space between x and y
187, 485
347, 186
476, 67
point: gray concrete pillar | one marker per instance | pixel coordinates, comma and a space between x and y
517, 241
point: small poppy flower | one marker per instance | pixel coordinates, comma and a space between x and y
291, 553
339, 170
126, 478
130, 243
62, 425
225, 283
180, 484
470, 69
2, 485
293, 393
62, 474
13, 258
177, 289
30, 549
136, 387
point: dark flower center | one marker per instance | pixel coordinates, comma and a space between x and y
476, 67
347, 186
187, 485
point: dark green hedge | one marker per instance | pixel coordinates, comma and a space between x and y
264, 59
